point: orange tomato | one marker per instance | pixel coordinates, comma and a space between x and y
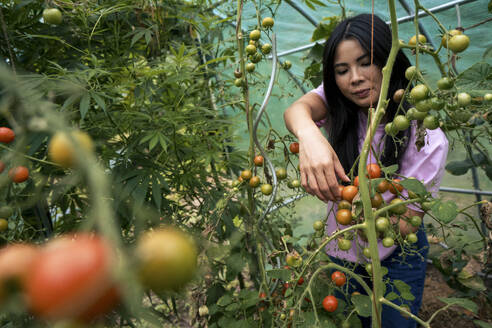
373, 170
19, 174
395, 187
383, 186
7, 135
344, 216
349, 192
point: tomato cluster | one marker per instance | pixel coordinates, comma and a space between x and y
18, 173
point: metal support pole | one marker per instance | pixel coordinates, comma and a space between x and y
310, 18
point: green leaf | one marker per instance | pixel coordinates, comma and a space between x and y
445, 211
156, 193
414, 185
281, 274
488, 171
225, 300
458, 167
480, 323
323, 30
391, 296
473, 282
401, 286
84, 105
407, 296
362, 304
137, 36
476, 80
99, 100
463, 302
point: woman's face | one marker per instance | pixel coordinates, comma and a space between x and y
357, 79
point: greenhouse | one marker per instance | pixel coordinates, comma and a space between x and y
263, 163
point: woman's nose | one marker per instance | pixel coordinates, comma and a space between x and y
356, 76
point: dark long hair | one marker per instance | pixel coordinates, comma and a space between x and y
342, 113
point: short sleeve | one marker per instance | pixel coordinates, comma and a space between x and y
426, 165
320, 91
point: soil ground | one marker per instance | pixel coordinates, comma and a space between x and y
435, 286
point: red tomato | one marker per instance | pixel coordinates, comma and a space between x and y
330, 303
294, 147
373, 170
300, 281
338, 278
15, 260
19, 174
71, 278
394, 186
258, 160
7, 135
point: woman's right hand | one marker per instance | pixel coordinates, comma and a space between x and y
319, 166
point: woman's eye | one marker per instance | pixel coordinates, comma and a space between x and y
366, 64
341, 72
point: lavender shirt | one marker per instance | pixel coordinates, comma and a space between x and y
426, 165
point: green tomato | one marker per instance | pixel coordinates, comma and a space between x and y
390, 129
250, 67
400, 208
423, 105
6, 211
487, 97
418, 115
464, 99
238, 82
369, 268
436, 103
382, 224
281, 173
410, 72
419, 92
287, 64
256, 58
416, 221
412, 238
318, 225
267, 22
250, 49
52, 16
344, 244
367, 252
294, 184
266, 189
401, 123
266, 48
458, 43
255, 35
445, 83
431, 122
388, 242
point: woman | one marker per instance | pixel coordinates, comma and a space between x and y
351, 85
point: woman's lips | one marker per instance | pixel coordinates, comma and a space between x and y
362, 93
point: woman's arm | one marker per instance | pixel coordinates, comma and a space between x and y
318, 161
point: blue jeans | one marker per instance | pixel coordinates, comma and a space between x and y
409, 269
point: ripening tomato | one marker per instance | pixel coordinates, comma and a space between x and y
246, 174
398, 95
62, 150
294, 147
338, 278
349, 192
7, 135
167, 259
254, 181
373, 170
413, 39
19, 174
72, 278
330, 303
267, 22
356, 181
376, 200
281, 173
300, 281
266, 189
258, 160
15, 260
344, 217
445, 38
343, 204
383, 186
394, 187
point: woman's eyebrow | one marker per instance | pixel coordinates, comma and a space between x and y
358, 59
